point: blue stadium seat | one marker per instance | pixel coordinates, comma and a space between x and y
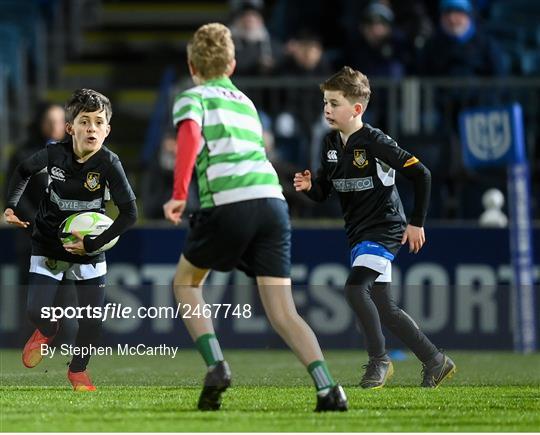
13, 57
27, 17
11, 54
514, 24
530, 62
4, 116
523, 13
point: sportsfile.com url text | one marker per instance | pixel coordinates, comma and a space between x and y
113, 310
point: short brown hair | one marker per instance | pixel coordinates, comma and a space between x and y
211, 50
87, 100
353, 84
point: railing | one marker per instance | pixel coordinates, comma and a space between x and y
420, 113
4, 118
414, 105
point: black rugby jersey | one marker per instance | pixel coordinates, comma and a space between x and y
362, 172
73, 187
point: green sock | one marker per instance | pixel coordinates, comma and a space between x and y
318, 370
209, 349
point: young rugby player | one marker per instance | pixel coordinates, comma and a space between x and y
82, 173
359, 162
243, 221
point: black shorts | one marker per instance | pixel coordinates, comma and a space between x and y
253, 236
388, 234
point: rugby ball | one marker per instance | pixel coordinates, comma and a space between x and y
87, 223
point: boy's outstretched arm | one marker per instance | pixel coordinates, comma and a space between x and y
302, 181
11, 218
317, 189
32, 165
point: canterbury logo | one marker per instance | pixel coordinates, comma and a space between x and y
58, 174
331, 156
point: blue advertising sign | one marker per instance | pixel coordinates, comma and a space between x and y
495, 137
492, 136
456, 289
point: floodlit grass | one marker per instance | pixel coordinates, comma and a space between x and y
492, 391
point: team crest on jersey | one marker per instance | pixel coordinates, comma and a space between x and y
92, 181
360, 158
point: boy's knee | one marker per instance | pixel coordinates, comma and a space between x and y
389, 312
353, 290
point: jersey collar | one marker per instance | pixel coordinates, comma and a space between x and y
355, 136
222, 82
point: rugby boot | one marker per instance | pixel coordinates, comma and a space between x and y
437, 370
334, 400
217, 380
378, 372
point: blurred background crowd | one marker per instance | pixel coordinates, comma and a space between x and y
426, 61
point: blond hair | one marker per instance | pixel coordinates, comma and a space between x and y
211, 50
353, 84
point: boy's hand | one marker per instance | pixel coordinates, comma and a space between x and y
302, 181
11, 218
77, 247
415, 236
173, 210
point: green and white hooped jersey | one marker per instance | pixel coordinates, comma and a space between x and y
231, 162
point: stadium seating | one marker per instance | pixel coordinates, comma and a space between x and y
530, 62
515, 25
4, 115
27, 17
13, 57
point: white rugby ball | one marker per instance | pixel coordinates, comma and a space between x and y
87, 223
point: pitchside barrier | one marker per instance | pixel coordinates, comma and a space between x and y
457, 289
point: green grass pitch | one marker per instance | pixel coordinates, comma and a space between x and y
492, 391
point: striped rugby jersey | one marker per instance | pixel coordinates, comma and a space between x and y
231, 161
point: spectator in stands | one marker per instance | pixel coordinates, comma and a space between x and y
377, 49
48, 125
157, 180
320, 16
460, 47
298, 203
300, 105
413, 21
303, 56
256, 52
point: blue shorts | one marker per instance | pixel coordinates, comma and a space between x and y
373, 256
